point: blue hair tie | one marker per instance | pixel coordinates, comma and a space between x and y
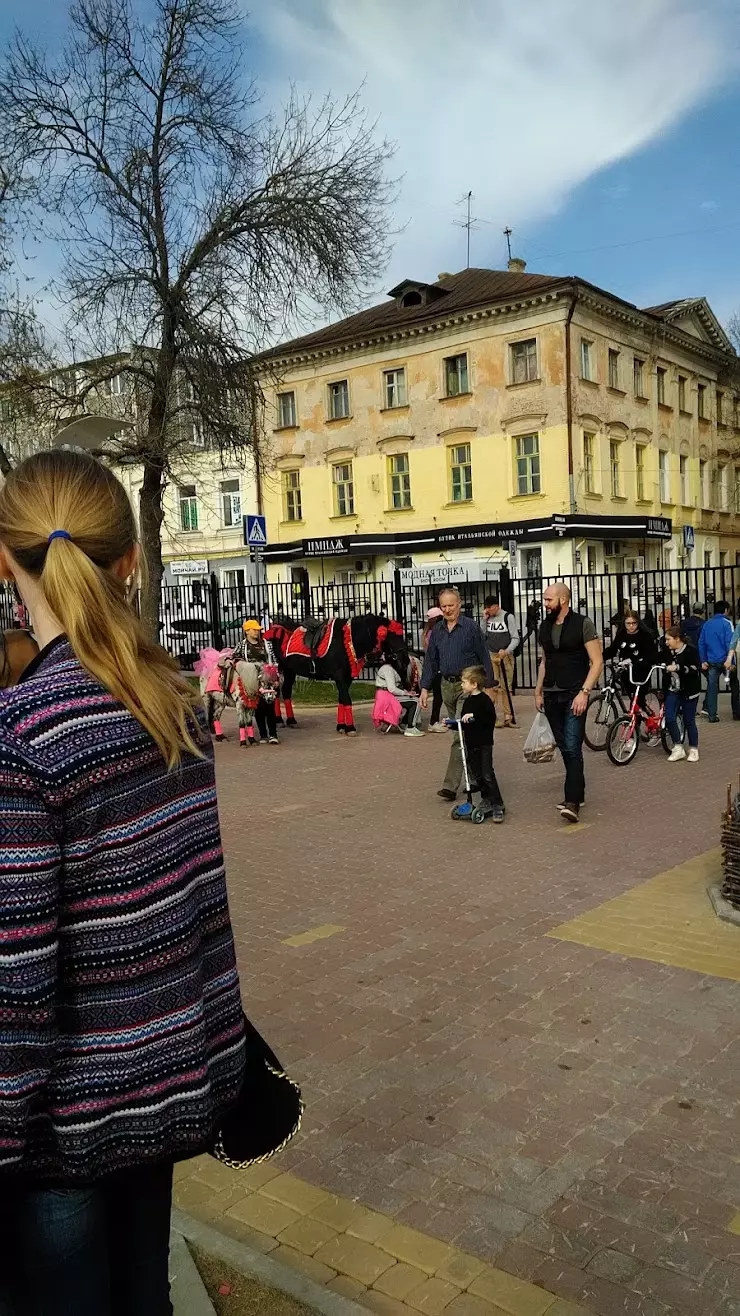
59, 534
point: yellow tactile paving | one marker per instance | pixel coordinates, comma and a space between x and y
383, 1265
668, 919
313, 934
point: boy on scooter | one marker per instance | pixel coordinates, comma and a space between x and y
479, 720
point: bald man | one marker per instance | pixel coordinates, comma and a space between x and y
570, 666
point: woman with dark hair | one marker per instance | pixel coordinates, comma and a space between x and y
634, 643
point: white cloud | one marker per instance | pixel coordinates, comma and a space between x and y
519, 101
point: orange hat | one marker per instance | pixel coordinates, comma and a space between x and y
251, 625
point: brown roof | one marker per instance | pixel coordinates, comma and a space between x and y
460, 292
665, 308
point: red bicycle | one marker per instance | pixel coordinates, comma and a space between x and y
623, 739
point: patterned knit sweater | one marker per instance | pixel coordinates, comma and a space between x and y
121, 1038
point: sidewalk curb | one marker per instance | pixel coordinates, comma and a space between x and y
250, 1262
722, 908
187, 1290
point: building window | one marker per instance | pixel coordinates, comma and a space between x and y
701, 401
461, 473
286, 410
614, 467
664, 475
613, 368
524, 361
588, 364
527, 450
344, 489
292, 510
708, 559
532, 563
115, 386
456, 375
704, 483
339, 400
394, 388
660, 375
640, 469
231, 503
188, 507
638, 377
724, 488
591, 559
399, 481
720, 408
196, 435
737, 490
589, 463
683, 475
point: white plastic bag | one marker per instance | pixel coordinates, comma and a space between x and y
539, 747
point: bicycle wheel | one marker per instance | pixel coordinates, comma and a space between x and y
666, 738
600, 715
622, 742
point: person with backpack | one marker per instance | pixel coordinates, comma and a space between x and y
715, 642
502, 638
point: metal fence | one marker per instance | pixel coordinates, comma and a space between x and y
199, 614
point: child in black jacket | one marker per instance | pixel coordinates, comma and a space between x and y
479, 721
682, 690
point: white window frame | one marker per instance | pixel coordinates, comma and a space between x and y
661, 375
682, 381
285, 407
701, 402
456, 371
115, 386
524, 361
638, 376
231, 504
399, 482
704, 489
394, 388
461, 461
684, 480
587, 360
527, 465
189, 501
640, 472
589, 462
723, 487
344, 488
338, 388
292, 495
614, 361
664, 475
197, 439
615, 468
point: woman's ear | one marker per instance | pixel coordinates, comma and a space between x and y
126, 566
6, 571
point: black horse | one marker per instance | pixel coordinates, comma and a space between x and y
342, 656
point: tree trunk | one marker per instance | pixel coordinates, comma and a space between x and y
6, 465
151, 516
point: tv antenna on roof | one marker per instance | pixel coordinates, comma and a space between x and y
470, 222
507, 234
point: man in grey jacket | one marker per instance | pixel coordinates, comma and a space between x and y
502, 637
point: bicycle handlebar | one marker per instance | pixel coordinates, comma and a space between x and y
626, 666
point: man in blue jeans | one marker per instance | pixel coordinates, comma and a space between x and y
570, 666
715, 642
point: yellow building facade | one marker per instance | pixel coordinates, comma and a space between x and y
497, 415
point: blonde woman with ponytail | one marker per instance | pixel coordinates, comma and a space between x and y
121, 1031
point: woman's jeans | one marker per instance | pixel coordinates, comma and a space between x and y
675, 702
95, 1251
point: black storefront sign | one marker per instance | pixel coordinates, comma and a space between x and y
451, 537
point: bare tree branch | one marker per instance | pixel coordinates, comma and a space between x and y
193, 228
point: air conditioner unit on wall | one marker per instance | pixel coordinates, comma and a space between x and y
362, 565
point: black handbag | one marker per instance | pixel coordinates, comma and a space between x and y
267, 1113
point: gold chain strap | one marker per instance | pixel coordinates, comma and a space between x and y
220, 1153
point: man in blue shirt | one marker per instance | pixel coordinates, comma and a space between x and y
456, 643
714, 647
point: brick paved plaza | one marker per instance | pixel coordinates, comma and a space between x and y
511, 1040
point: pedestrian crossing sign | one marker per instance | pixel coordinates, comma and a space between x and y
256, 528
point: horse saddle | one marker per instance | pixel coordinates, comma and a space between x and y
314, 633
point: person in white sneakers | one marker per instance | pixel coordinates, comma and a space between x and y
682, 690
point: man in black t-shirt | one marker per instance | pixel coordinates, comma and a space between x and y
570, 666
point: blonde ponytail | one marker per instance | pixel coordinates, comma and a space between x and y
69, 491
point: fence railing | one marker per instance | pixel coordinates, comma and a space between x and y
200, 614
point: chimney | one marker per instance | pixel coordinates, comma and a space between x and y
516, 265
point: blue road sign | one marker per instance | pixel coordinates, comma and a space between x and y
688, 537
256, 528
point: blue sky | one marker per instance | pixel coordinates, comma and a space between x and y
605, 134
